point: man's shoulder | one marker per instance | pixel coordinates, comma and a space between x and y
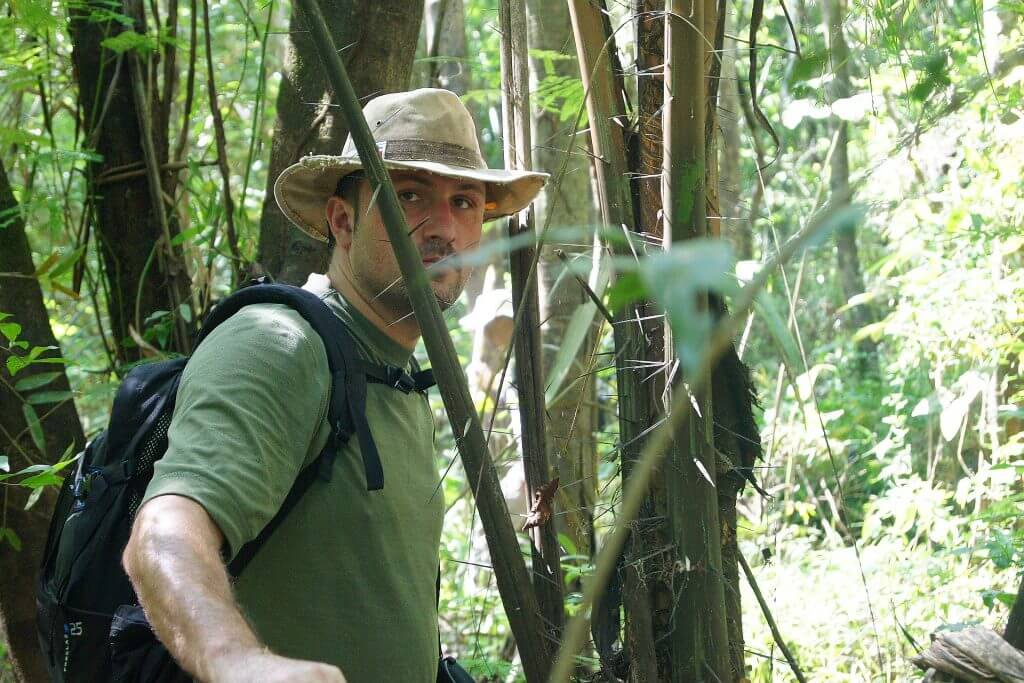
266, 330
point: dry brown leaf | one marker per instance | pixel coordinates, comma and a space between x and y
542, 507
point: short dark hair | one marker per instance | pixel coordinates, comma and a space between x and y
348, 189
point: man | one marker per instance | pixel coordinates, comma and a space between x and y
344, 588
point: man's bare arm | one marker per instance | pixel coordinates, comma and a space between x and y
173, 559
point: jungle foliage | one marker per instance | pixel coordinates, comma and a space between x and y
887, 356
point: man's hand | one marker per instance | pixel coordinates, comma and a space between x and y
270, 668
173, 559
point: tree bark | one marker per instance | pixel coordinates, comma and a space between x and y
377, 39
445, 30
1014, 633
142, 273
23, 298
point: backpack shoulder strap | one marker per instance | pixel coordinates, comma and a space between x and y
346, 412
347, 408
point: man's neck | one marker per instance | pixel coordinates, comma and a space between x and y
403, 330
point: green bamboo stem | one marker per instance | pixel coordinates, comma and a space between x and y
606, 109
510, 572
700, 639
545, 552
657, 446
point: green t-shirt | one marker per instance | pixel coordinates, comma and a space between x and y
349, 576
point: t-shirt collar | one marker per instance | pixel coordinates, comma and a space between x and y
378, 343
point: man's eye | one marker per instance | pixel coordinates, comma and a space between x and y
464, 202
408, 196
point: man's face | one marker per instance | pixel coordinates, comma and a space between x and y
445, 216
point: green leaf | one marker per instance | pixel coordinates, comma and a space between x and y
766, 307
10, 330
11, 538
676, 277
811, 65
130, 40
628, 288
38, 350
34, 497
15, 364
35, 381
34, 428
67, 261
574, 336
44, 397
182, 237
35, 14
40, 480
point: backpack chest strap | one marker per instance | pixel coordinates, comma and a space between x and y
396, 378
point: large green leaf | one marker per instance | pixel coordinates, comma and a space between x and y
676, 277
35, 429
575, 334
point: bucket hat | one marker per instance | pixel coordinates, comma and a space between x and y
421, 130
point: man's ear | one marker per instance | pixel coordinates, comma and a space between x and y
340, 215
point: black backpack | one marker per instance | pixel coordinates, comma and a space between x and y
90, 625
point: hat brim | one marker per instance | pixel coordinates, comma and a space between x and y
303, 188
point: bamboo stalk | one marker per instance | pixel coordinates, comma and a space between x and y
544, 549
607, 113
636, 485
510, 572
700, 639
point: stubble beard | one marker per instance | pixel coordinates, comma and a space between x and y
392, 296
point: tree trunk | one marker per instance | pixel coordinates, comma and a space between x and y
23, 297
445, 30
1014, 633
377, 39
851, 280
142, 274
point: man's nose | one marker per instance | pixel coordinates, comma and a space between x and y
441, 223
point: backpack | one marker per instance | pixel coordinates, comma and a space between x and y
90, 625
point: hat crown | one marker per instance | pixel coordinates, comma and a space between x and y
428, 115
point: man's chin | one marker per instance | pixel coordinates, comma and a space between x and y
446, 295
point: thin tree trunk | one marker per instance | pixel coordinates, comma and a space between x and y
1014, 633
377, 39
851, 279
23, 297
142, 273
445, 30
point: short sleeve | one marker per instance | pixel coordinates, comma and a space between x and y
250, 403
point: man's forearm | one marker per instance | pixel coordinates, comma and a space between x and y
176, 568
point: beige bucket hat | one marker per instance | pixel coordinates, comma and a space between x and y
423, 130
